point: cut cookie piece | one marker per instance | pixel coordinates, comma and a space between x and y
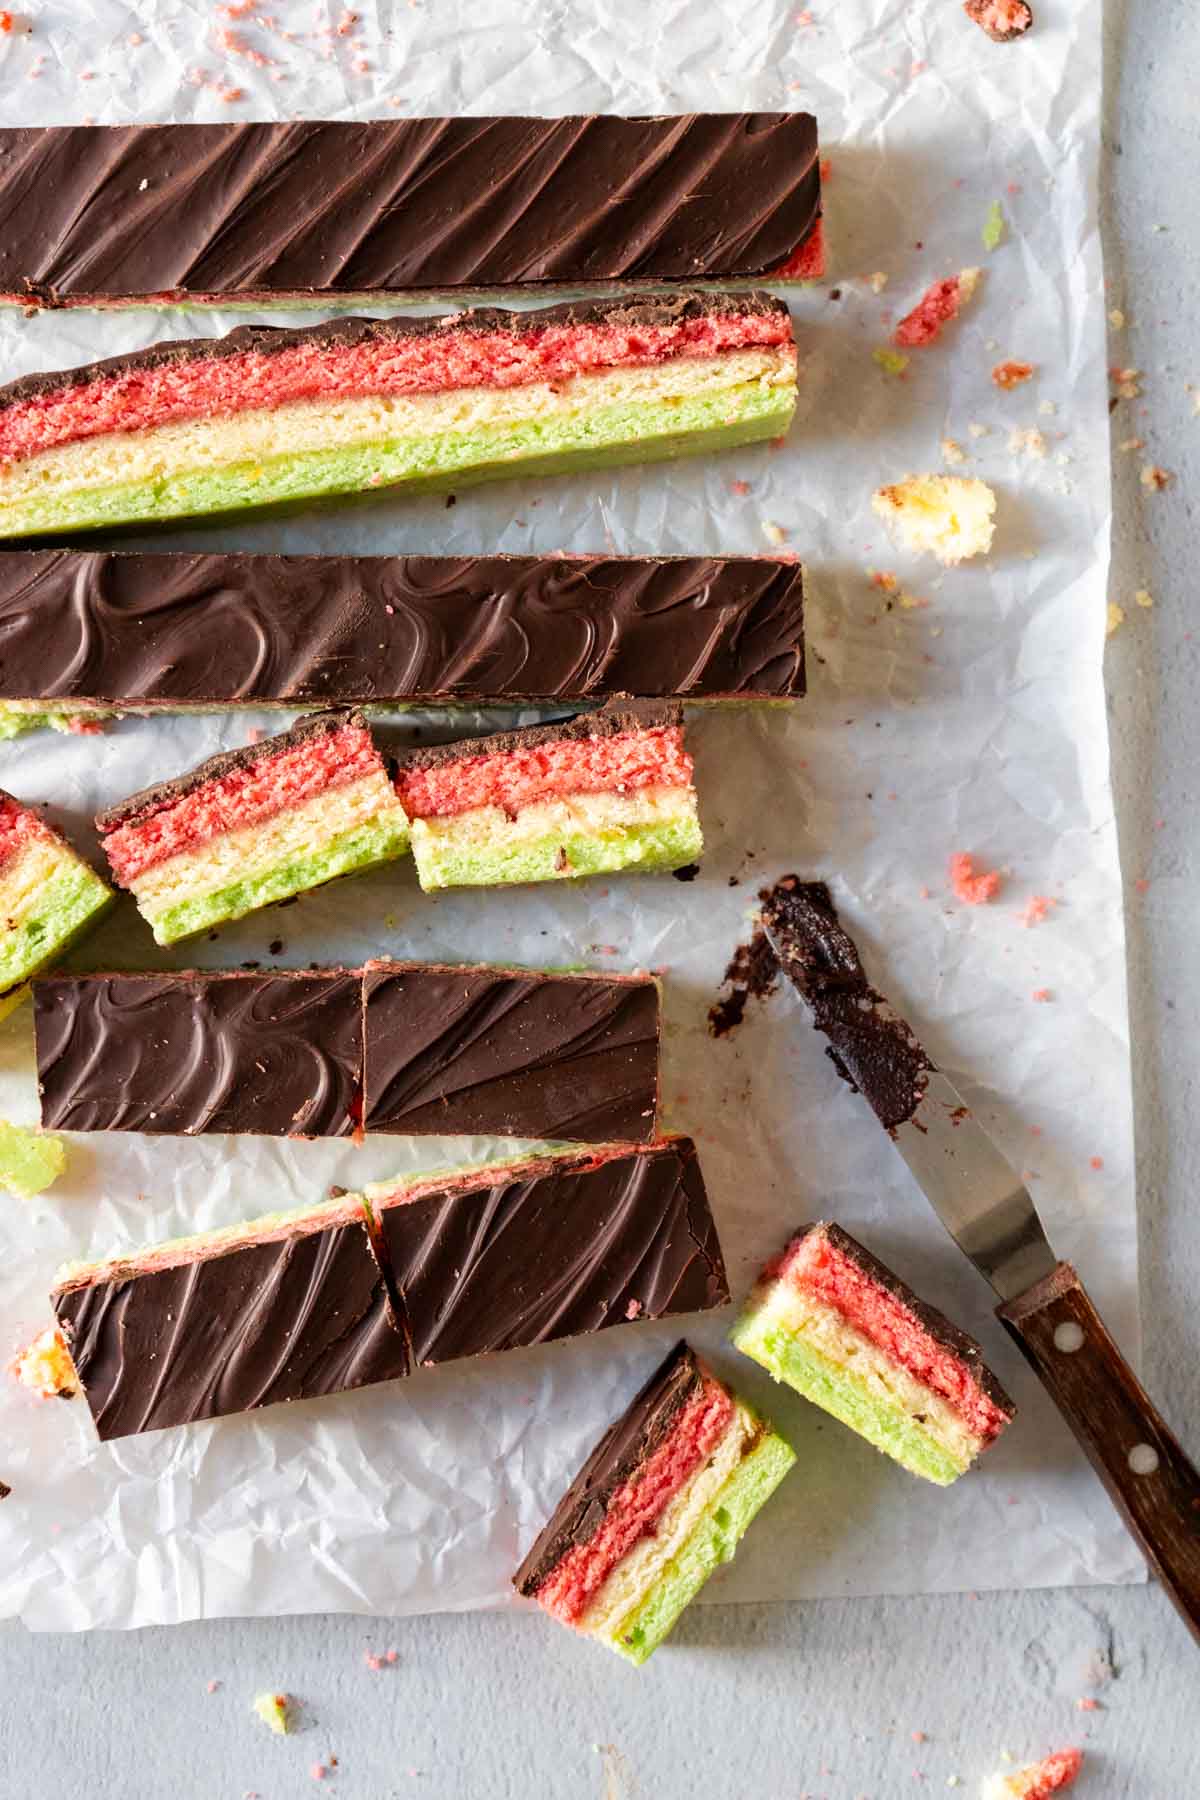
1003, 20
509, 1052
271, 416
288, 1307
48, 897
316, 209
659, 1505
606, 791
125, 631
950, 516
547, 1247
256, 825
279, 1054
835, 1324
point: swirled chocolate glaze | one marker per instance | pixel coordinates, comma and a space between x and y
625, 1447
870, 1045
560, 1250
471, 1050
278, 1054
297, 1315
121, 629
93, 214
495, 1051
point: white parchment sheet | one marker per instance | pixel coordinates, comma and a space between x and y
973, 723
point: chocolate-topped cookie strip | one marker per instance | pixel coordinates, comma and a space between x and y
510, 1052
285, 1308
550, 1248
366, 1288
97, 214
126, 631
412, 1048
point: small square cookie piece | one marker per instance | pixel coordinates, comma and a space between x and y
834, 1323
659, 1505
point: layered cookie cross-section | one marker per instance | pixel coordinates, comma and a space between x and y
316, 209
49, 896
269, 416
658, 1506
409, 1048
370, 1287
606, 791
253, 826
124, 631
834, 1323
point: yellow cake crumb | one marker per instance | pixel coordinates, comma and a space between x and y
878, 281
951, 516
1143, 597
46, 1367
272, 1709
1116, 618
952, 451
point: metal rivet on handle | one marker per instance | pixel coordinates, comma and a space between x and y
1143, 1459
1068, 1337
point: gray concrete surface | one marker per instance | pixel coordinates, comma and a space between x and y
821, 1700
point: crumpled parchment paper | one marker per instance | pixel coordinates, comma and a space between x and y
975, 722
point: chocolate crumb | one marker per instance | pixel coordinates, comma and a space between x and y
688, 873
752, 974
275, 947
5, 1490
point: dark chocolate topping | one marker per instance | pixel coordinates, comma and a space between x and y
573, 1248
613, 719
402, 205
870, 1045
492, 1051
939, 1327
181, 629
164, 793
624, 1449
5, 1490
265, 340
288, 1319
278, 1054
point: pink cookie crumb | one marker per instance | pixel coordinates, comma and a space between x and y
1036, 909
937, 306
1038, 1780
1087, 1704
974, 887
213, 1687
1041, 993
84, 727
1011, 374
318, 1771
1095, 1162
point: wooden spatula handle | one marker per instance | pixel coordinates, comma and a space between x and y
1136, 1455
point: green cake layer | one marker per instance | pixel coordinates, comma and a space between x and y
837, 1391
606, 436
713, 1541
362, 848
69, 903
446, 861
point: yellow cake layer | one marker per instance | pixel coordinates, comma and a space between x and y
824, 1328
484, 825
255, 849
635, 1575
124, 458
23, 880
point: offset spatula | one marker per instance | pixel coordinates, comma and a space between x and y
988, 1211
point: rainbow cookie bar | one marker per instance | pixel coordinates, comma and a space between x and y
321, 209
256, 825
841, 1329
660, 1504
269, 416
48, 898
288, 1307
606, 791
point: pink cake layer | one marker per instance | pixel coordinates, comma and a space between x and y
518, 778
636, 1507
244, 796
18, 824
808, 262
814, 1266
137, 399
